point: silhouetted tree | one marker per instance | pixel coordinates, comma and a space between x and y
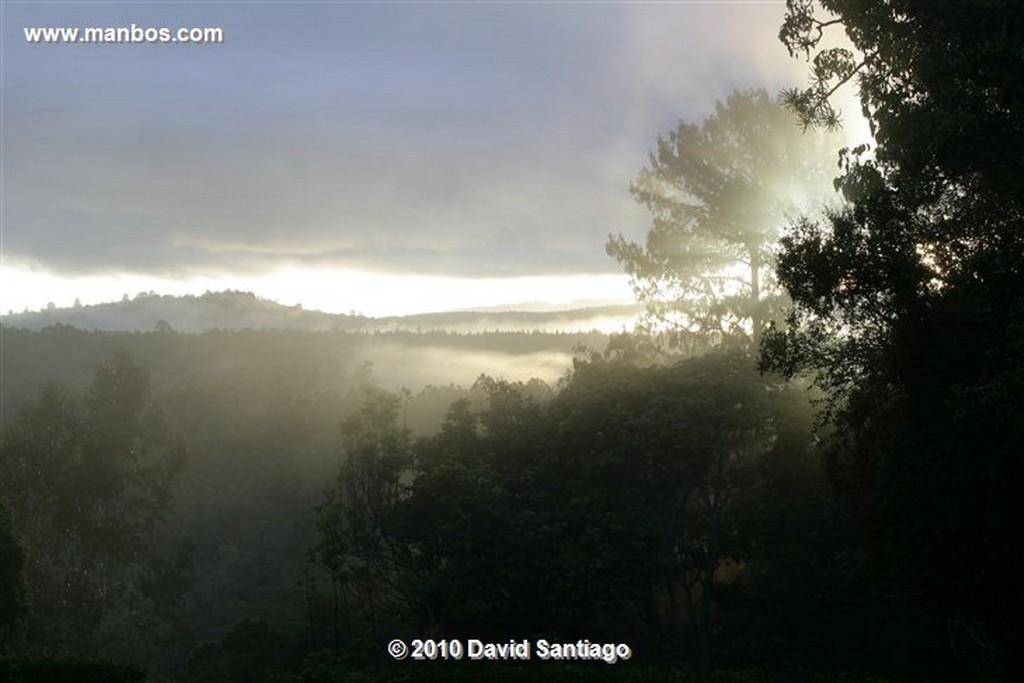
610, 510
89, 481
356, 543
908, 310
719, 193
687, 443
476, 518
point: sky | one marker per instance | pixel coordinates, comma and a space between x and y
385, 158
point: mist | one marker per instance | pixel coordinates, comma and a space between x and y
511, 341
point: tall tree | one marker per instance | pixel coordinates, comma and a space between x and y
89, 480
908, 308
719, 193
356, 542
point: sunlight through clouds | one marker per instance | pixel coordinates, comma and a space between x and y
387, 160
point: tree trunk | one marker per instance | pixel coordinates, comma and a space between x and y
755, 295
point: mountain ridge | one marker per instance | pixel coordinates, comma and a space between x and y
237, 310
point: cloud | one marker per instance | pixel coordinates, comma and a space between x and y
476, 141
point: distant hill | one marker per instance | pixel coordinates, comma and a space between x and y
228, 310
234, 310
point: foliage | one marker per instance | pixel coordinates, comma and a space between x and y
260, 411
719, 193
89, 479
251, 651
611, 510
695, 442
935, 211
527, 514
467, 519
355, 543
907, 309
13, 605
938, 85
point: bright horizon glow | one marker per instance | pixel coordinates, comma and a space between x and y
333, 291
350, 141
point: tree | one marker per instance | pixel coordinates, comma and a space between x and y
938, 86
673, 453
89, 479
719, 193
478, 518
938, 204
13, 605
357, 543
908, 310
611, 510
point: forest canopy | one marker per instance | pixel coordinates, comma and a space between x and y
822, 483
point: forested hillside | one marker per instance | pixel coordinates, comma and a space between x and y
256, 415
804, 464
235, 310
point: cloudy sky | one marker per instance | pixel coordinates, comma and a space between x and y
385, 158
